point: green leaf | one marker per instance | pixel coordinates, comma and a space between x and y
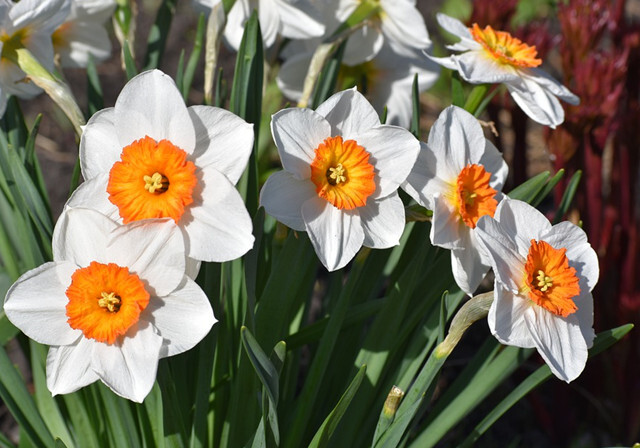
415, 102
326, 84
192, 64
15, 396
457, 91
567, 197
264, 368
548, 188
528, 190
475, 98
602, 342
129, 63
322, 437
157, 40
94, 88
120, 424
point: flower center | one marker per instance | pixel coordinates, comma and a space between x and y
550, 281
474, 197
105, 300
342, 173
152, 180
505, 48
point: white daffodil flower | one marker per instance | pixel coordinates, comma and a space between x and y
496, 57
83, 33
152, 157
544, 277
27, 24
112, 303
398, 21
294, 19
342, 169
459, 175
388, 78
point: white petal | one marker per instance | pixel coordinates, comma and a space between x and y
400, 16
153, 249
477, 67
502, 253
83, 39
559, 341
549, 83
506, 318
186, 308
457, 139
129, 366
349, 114
467, 263
336, 235
446, 225
282, 197
393, 152
447, 62
538, 103
219, 228
269, 21
584, 317
81, 236
297, 21
522, 222
494, 163
455, 27
69, 367
93, 194
581, 255
223, 140
297, 133
151, 105
292, 74
427, 177
36, 304
234, 29
43, 16
383, 221
362, 46
100, 147
192, 268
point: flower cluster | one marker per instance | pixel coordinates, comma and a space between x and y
158, 199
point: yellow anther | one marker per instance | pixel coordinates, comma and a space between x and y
336, 174
470, 197
155, 182
544, 281
110, 301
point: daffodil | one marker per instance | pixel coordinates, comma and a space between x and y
388, 79
112, 303
544, 275
492, 56
83, 33
398, 21
27, 24
459, 175
342, 169
293, 19
152, 157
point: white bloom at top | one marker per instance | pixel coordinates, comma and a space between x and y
152, 157
114, 301
398, 21
497, 57
544, 277
342, 169
83, 33
388, 78
294, 19
459, 175
27, 24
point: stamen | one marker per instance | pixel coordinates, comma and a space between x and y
544, 281
110, 301
337, 174
157, 182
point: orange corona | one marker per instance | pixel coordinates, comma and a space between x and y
505, 48
105, 300
152, 180
550, 281
473, 196
342, 173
